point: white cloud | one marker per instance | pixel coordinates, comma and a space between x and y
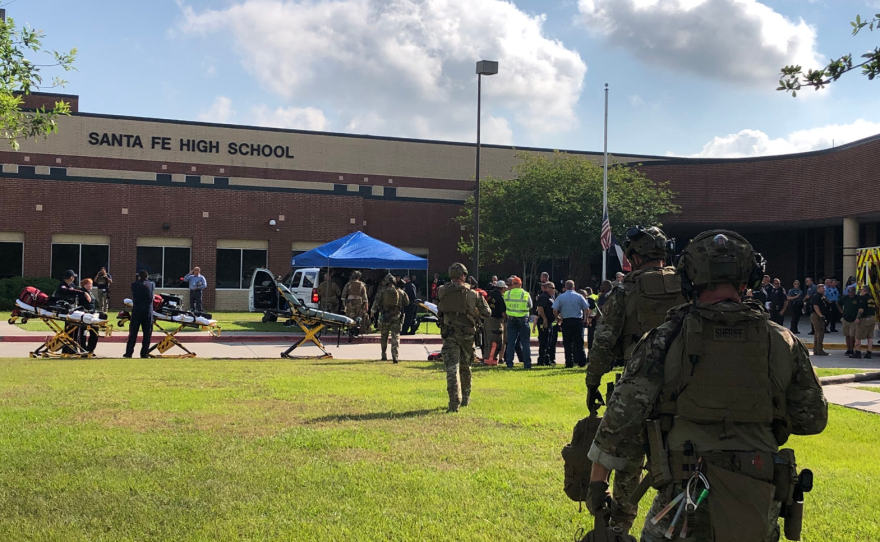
736, 41
635, 100
301, 118
404, 67
220, 111
757, 143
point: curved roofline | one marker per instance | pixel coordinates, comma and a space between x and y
654, 159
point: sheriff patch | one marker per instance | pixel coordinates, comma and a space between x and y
730, 334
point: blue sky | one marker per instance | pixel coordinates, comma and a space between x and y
687, 77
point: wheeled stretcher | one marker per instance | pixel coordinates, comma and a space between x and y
68, 322
168, 311
312, 322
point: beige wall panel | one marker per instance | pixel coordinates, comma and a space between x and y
73, 238
231, 300
433, 193
11, 237
279, 183
111, 174
257, 244
304, 245
164, 242
312, 151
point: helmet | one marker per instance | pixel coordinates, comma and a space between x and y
389, 278
648, 242
720, 256
355, 275
457, 270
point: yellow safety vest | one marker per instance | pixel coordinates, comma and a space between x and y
517, 301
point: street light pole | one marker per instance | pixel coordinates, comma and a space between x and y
484, 67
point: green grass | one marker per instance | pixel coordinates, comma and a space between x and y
875, 389
115, 450
835, 372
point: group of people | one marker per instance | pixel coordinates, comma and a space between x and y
707, 373
825, 306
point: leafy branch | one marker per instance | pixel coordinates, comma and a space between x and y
794, 79
20, 76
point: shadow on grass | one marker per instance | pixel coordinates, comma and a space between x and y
375, 416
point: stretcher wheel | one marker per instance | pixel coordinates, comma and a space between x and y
24, 320
11, 321
269, 318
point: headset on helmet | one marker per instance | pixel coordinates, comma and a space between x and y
649, 242
716, 257
457, 270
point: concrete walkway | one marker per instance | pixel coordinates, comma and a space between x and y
851, 397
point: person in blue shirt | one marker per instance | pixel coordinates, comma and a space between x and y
832, 295
142, 291
571, 307
197, 284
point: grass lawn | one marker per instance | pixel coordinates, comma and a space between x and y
114, 450
875, 389
835, 372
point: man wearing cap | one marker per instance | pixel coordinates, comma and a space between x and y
493, 325
67, 291
142, 291
459, 310
865, 323
849, 309
519, 303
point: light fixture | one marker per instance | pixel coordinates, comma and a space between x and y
272, 222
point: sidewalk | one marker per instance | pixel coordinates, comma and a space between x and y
850, 396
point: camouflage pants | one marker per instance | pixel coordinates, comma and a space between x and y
355, 310
390, 325
458, 353
329, 304
622, 512
701, 531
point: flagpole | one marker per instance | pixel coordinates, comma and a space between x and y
605, 186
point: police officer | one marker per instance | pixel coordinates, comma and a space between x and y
354, 296
459, 311
717, 389
328, 294
389, 304
634, 307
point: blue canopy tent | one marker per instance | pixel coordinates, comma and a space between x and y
359, 250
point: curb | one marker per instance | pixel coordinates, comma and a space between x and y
848, 379
194, 338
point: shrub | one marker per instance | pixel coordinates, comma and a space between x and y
11, 287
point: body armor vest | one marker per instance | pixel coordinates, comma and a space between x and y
649, 296
452, 303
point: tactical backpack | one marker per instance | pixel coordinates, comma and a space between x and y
654, 292
390, 300
577, 465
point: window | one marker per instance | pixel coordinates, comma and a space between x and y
236, 266
166, 265
85, 260
12, 261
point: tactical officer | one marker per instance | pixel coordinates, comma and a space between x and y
459, 311
354, 295
328, 294
634, 307
388, 305
717, 389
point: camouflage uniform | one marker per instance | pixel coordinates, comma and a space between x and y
328, 296
457, 327
391, 319
652, 380
354, 295
620, 328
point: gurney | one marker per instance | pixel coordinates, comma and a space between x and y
168, 310
68, 322
312, 322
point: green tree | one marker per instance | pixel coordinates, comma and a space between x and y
20, 76
552, 210
794, 79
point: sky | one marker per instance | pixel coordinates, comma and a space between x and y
686, 77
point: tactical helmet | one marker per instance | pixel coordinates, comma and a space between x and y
457, 270
355, 275
389, 278
648, 242
720, 256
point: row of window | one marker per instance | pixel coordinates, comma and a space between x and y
166, 265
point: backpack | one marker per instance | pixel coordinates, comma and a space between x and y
33, 297
577, 464
390, 299
157, 302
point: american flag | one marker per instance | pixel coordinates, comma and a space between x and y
605, 238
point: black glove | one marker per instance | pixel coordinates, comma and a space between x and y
594, 398
598, 498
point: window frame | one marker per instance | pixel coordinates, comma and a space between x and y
22, 255
79, 257
164, 278
241, 283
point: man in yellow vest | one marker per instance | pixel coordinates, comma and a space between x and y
518, 302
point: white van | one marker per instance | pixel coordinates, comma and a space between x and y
263, 295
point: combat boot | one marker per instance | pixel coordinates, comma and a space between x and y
868, 355
848, 352
384, 357
857, 355
394, 360
452, 409
465, 400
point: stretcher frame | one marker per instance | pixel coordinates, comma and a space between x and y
311, 326
53, 347
170, 339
